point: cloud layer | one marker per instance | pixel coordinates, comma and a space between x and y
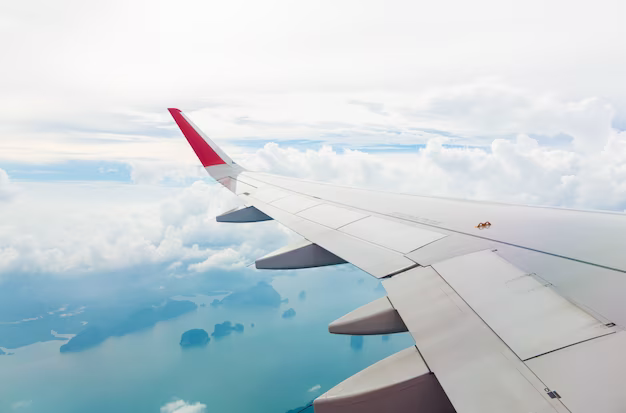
94, 228
519, 171
250, 71
164, 52
50, 231
7, 190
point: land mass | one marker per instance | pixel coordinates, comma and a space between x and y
289, 313
194, 338
139, 320
226, 328
261, 294
18, 333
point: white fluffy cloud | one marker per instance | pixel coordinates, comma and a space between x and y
75, 229
70, 228
181, 406
520, 171
7, 189
226, 258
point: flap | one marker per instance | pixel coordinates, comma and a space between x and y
528, 315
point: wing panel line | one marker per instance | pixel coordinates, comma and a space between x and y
457, 231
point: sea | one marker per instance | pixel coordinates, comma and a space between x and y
275, 365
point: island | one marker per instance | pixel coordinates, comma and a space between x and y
302, 295
289, 313
262, 294
24, 332
139, 320
225, 328
196, 337
89, 337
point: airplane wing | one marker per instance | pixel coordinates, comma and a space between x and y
512, 308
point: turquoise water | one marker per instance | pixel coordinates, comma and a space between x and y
268, 368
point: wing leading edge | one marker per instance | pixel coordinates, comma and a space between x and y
522, 315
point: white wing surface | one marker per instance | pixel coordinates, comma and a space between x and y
512, 308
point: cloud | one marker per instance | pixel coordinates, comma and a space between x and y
474, 113
315, 388
243, 52
496, 109
181, 406
227, 258
104, 227
7, 189
519, 171
101, 227
153, 172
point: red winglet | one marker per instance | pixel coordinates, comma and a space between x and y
205, 153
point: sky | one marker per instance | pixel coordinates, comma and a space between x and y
501, 100
515, 102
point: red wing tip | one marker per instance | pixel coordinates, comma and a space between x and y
206, 154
